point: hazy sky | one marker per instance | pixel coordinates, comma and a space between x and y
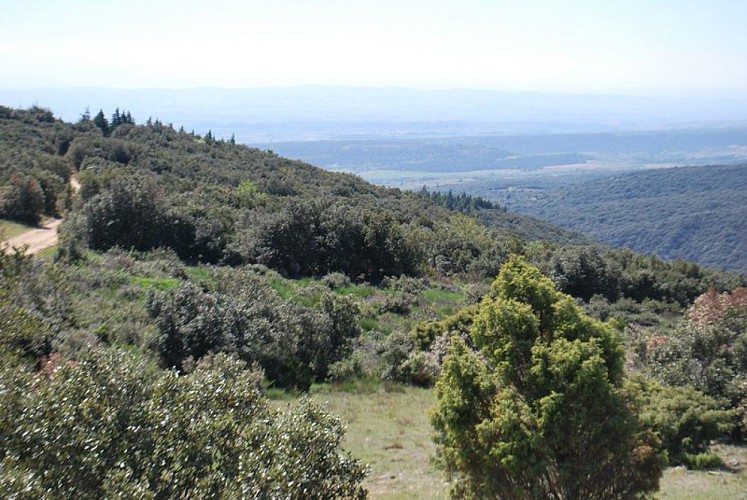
594, 45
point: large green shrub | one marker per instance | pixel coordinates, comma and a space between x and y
536, 409
294, 344
127, 215
22, 199
110, 425
686, 419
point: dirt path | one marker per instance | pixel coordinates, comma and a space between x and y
37, 240
74, 182
41, 238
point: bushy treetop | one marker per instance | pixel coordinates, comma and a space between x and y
534, 408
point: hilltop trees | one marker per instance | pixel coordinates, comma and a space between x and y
532, 406
105, 125
317, 237
102, 123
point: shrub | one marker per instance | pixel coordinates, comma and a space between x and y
686, 419
294, 344
702, 461
22, 199
335, 280
126, 215
112, 425
707, 352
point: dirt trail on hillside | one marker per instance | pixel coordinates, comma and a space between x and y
37, 239
41, 238
74, 183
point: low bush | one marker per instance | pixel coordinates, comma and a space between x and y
687, 420
293, 343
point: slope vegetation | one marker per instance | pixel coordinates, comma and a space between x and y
692, 213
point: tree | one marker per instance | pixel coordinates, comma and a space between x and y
127, 215
100, 121
22, 199
582, 272
532, 405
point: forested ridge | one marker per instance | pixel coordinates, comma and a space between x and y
195, 277
692, 213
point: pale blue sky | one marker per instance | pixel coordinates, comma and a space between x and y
578, 46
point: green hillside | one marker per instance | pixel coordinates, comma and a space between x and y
692, 213
202, 289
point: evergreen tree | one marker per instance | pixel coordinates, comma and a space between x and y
100, 121
116, 119
536, 408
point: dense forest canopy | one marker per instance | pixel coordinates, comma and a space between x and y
692, 213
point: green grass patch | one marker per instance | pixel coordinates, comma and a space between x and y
360, 291
199, 274
355, 386
282, 287
443, 302
278, 394
367, 324
295, 290
388, 429
437, 295
160, 284
10, 229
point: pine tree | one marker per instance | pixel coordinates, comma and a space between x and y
100, 121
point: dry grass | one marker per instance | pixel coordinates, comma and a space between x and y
9, 229
390, 431
729, 483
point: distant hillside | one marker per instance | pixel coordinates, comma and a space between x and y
692, 213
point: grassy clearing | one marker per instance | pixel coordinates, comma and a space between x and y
388, 428
200, 274
360, 291
283, 287
377, 302
160, 284
727, 483
9, 229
